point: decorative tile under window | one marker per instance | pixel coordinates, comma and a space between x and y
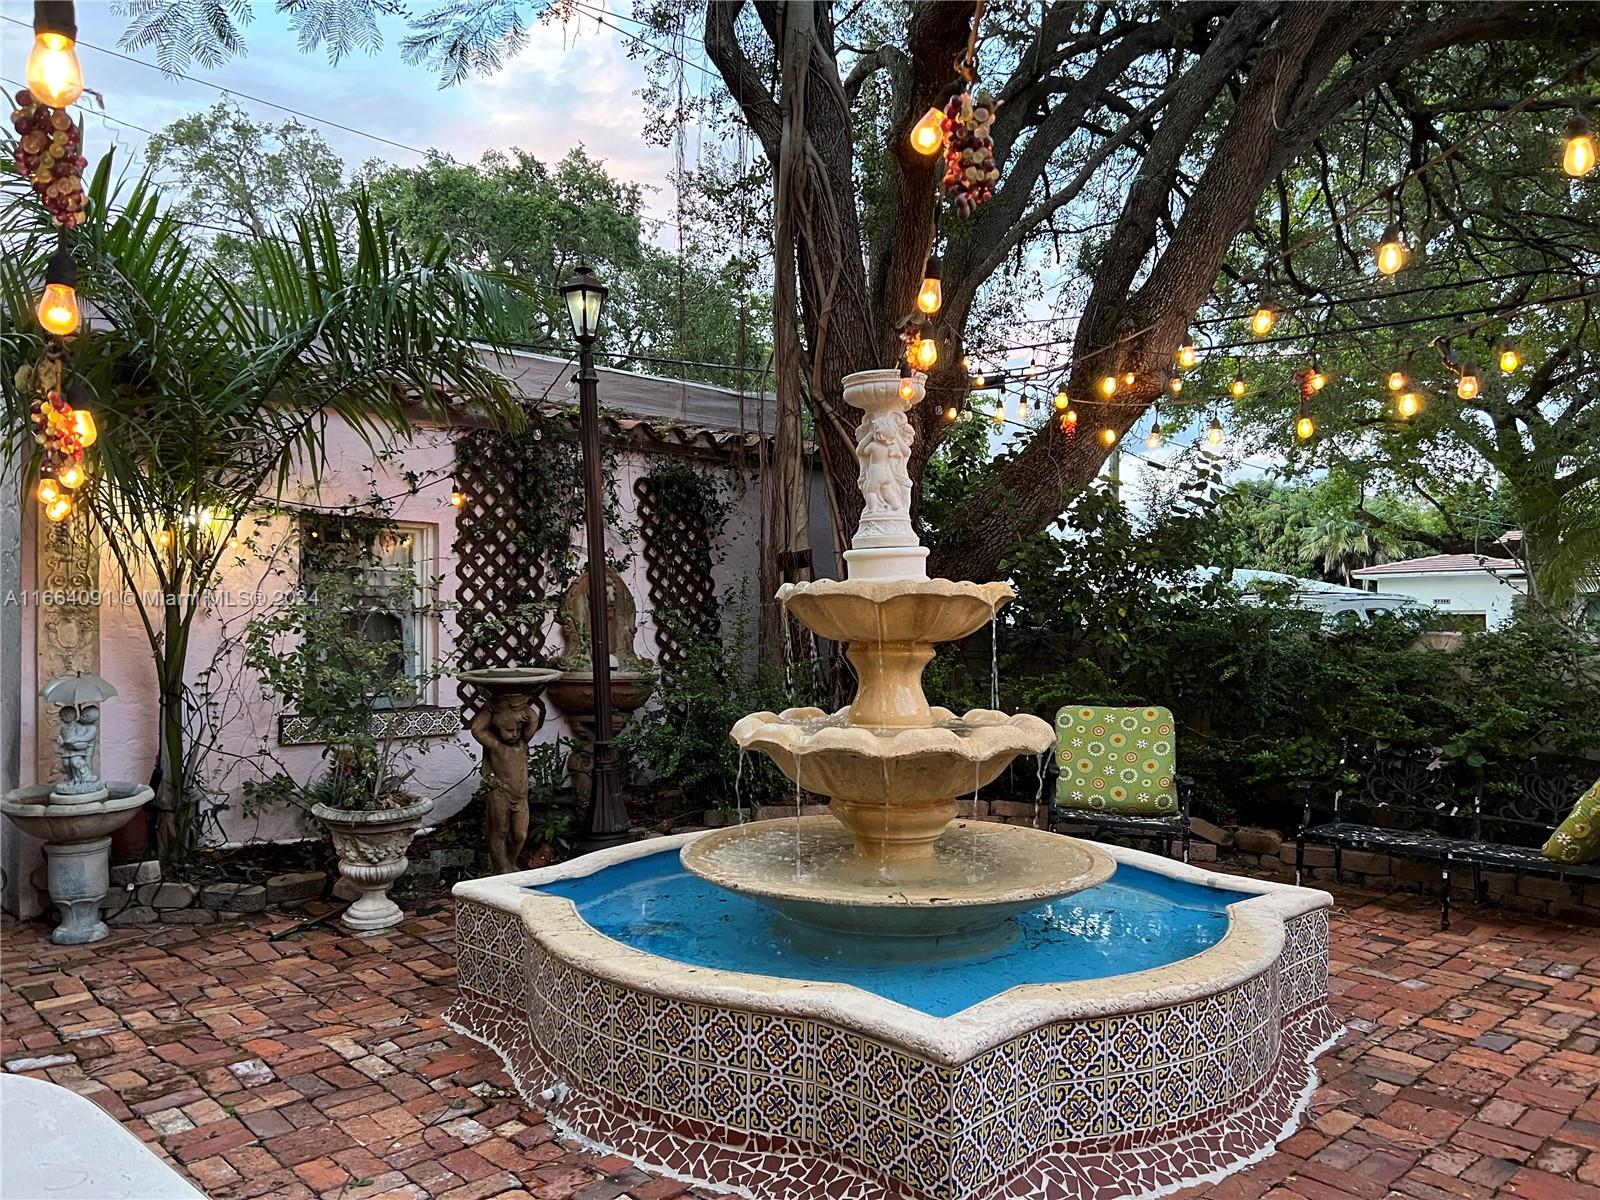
425, 720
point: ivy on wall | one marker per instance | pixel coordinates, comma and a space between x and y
515, 557
682, 512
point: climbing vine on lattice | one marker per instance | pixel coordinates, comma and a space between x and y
681, 514
522, 500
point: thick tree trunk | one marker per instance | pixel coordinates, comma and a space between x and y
1299, 75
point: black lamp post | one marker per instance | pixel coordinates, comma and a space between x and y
608, 816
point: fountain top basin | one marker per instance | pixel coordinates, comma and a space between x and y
65, 823
923, 611
510, 678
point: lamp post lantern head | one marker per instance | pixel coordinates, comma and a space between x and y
586, 298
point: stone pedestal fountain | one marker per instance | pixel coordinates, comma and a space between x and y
950, 1010
76, 816
890, 867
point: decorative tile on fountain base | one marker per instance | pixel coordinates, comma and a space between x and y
790, 1105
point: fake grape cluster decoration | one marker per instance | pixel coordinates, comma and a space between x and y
61, 432
49, 154
970, 172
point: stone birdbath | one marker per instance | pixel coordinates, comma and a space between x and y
504, 727
76, 816
632, 677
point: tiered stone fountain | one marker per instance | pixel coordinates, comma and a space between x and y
889, 1001
891, 865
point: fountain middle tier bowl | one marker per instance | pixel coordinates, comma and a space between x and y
957, 903
894, 788
864, 611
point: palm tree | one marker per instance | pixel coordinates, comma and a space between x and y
1339, 543
208, 392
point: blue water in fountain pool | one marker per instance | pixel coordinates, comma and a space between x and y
1134, 921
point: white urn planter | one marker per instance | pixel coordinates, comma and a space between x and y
372, 855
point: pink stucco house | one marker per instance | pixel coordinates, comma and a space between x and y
64, 607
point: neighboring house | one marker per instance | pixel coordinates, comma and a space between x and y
1474, 590
65, 608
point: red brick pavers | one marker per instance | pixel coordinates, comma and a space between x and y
317, 1066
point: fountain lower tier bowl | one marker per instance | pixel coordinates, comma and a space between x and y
895, 789
957, 903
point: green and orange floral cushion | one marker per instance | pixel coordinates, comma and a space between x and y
1577, 839
1117, 759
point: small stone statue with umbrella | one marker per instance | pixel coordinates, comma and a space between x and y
80, 697
76, 816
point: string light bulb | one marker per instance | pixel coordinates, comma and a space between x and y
1153, 440
908, 390
951, 413
1265, 316
54, 76
70, 476
1305, 428
58, 307
1408, 405
931, 295
1175, 385
1062, 400
1187, 355
1577, 158
924, 353
83, 425
1070, 417
1510, 358
1397, 380
1215, 433
1128, 378
927, 135
1108, 385
1318, 379
1108, 436
1391, 253
1236, 388
1469, 385
1022, 408
48, 490
58, 510
458, 498
998, 412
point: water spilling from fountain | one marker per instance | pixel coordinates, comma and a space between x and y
891, 863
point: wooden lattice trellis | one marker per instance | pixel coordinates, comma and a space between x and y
678, 561
498, 570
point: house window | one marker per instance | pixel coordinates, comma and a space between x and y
373, 571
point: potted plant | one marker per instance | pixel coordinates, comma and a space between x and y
337, 656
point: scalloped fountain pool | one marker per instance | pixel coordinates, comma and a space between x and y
1133, 922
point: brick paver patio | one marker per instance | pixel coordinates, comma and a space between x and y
318, 1065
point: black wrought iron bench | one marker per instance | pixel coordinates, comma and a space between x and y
1416, 806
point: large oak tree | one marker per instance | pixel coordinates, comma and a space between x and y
1139, 135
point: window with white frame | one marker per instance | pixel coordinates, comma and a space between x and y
386, 595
